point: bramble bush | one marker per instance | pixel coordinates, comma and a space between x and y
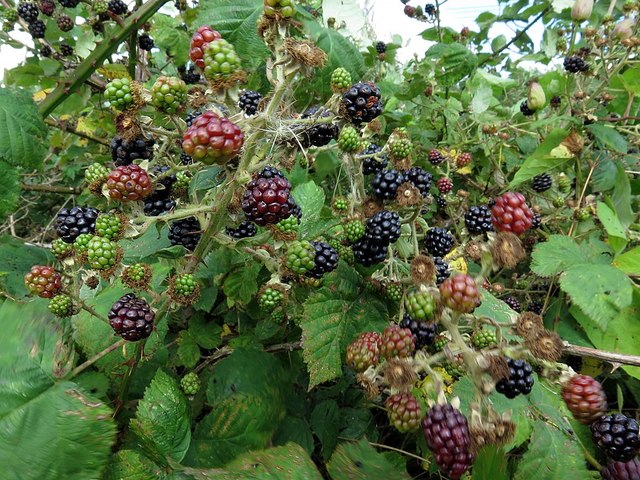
240, 244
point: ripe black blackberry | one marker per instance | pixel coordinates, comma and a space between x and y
541, 182
555, 101
46, 51
617, 436
513, 303
383, 228
318, 134
145, 42
478, 219
249, 101
191, 117
185, 232
438, 241
131, 318
271, 172
72, 222
66, 50
117, 7
326, 260
244, 230
190, 76
386, 182
47, 7
420, 179
381, 47
525, 110
155, 205
362, 102
442, 270
441, 203
575, 64
296, 211
536, 221
37, 29
69, 3
164, 182
430, 9
186, 159
535, 306
125, 152
64, 23
520, 379
423, 333
28, 11
367, 252
371, 165
435, 157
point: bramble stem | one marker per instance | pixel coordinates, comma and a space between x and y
82, 367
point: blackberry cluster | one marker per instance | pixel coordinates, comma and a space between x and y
66, 50
381, 47
621, 470
513, 303
617, 436
28, 11
520, 380
37, 29
46, 51
435, 157
249, 101
541, 182
69, 3
190, 76
536, 221
420, 179
47, 7
65, 23
191, 117
367, 252
441, 203
319, 134
362, 102
424, 333
536, 306
575, 64
325, 260
386, 183
156, 205
267, 198
442, 270
117, 7
131, 318
125, 152
185, 232
478, 219
244, 230
525, 110
72, 222
430, 9
438, 241
145, 42
371, 165
383, 227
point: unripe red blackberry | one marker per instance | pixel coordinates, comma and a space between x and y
212, 139
364, 352
43, 281
463, 159
584, 398
131, 318
47, 7
404, 412
460, 293
436, 157
129, 183
617, 436
396, 342
361, 102
510, 213
199, 41
267, 198
614, 470
445, 185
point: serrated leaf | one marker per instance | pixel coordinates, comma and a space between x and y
325, 422
132, 466
540, 160
296, 430
360, 461
241, 284
10, 188
622, 196
188, 350
608, 137
162, 419
629, 262
206, 334
611, 223
171, 38
556, 255
495, 309
453, 62
310, 197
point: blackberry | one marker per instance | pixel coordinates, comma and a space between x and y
117, 7
621, 470
37, 29
64, 23
386, 183
421, 305
510, 213
435, 157
364, 352
69, 3
190, 383
61, 306
220, 60
249, 101
131, 318
125, 152
513, 303
617, 436
166, 181
190, 76
520, 380
354, 231
186, 159
575, 64
362, 102
441, 203
145, 42
536, 221
478, 219
191, 117
442, 270
66, 50
445, 185
72, 222
367, 252
300, 257
267, 198
438, 241
340, 80
584, 398
460, 293
383, 228
47, 7
424, 333
535, 306
28, 11
46, 51
381, 47
430, 9
185, 232
271, 172
555, 101
155, 205
325, 260
371, 165
525, 110
420, 179
43, 281
396, 342
244, 230
318, 134
541, 182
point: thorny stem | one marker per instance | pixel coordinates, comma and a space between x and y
82, 367
126, 381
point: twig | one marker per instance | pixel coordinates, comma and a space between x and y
80, 368
618, 119
387, 447
611, 357
65, 127
226, 351
50, 188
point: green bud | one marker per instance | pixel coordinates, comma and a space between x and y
536, 98
623, 30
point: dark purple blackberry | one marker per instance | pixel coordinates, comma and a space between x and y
536, 221
46, 51
191, 117
155, 205
621, 470
535, 306
478, 219
64, 23
270, 172
296, 211
267, 198
66, 50
362, 102
145, 42
541, 182
326, 260
125, 152
383, 228
69, 3
249, 101
318, 134
244, 230
28, 11
386, 182
442, 270
117, 7
525, 110
37, 29
185, 232
423, 333
520, 379
47, 7
617, 436
420, 179
190, 77
381, 47
186, 159
555, 101
575, 64
438, 241
71, 222
441, 203
369, 253
164, 182
131, 318
372, 165
436, 157
513, 303
430, 9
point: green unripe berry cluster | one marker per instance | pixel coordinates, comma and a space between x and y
340, 79
483, 339
109, 226
349, 139
82, 242
136, 271
190, 383
354, 230
301, 257
102, 253
271, 298
61, 306
96, 173
420, 305
340, 204
185, 284
169, 94
220, 60
394, 292
61, 249
286, 8
288, 225
118, 93
400, 147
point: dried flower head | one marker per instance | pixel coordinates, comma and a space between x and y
545, 345
408, 195
473, 250
507, 250
529, 325
423, 270
305, 52
497, 367
399, 375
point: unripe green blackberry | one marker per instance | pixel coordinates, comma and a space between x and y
349, 139
346, 254
400, 146
190, 383
286, 8
301, 257
270, 299
169, 94
340, 204
82, 242
220, 60
109, 226
10, 15
354, 230
420, 305
558, 202
394, 292
564, 183
118, 93
102, 253
61, 306
137, 276
61, 249
183, 179
99, 6
439, 343
288, 225
184, 288
96, 173
340, 80
278, 316
483, 339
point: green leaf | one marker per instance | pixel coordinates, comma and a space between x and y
608, 137
622, 196
17, 259
310, 197
10, 188
611, 223
491, 462
132, 466
629, 262
631, 80
162, 419
540, 161
360, 461
188, 350
453, 62
206, 334
23, 133
333, 316
495, 309
296, 430
325, 422
242, 284
556, 255
170, 37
